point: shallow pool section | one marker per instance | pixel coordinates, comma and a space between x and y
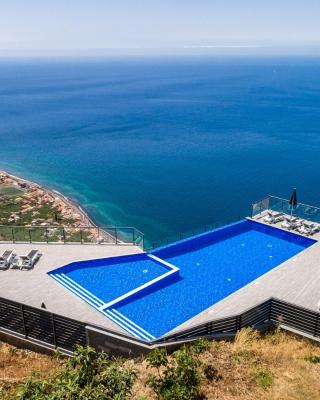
186, 277
105, 282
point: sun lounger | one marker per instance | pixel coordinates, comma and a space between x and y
30, 259
308, 229
15, 263
291, 223
6, 259
272, 218
314, 228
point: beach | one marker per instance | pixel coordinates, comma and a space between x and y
33, 212
34, 194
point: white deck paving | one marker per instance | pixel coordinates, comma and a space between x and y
34, 286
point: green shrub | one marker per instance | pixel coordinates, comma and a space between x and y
86, 375
200, 346
177, 378
264, 378
313, 359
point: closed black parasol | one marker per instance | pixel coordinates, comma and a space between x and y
293, 200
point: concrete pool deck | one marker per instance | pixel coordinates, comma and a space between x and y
296, 281
35, 286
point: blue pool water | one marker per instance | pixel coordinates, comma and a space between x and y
211, 267
109, 278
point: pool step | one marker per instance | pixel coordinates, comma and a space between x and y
82, 289
108, 309
78, 290
127, 324
95, 302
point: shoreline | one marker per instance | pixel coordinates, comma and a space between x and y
35, 196
86, 220
74, 204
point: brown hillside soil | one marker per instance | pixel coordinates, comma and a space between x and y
273, 367
253, 367
16, 365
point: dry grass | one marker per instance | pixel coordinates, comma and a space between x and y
279, 356
253, 367
16, 365
235, 368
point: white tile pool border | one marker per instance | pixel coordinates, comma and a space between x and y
127, 324
173, 270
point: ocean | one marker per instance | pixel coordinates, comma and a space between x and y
164, 144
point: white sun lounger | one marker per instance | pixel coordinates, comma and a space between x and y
30, 259
308, 229
291, 223
6, 259
272, 218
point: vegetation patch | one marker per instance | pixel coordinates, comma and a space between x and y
313, 359
276, 366
264, 378
177, 377
9, 190
86, 375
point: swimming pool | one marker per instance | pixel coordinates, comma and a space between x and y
148, 295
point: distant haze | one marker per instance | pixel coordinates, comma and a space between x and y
42, 27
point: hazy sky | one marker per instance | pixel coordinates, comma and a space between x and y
95, 24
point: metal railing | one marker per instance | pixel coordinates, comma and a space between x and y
47, 328
304, 211
272, 311
41, 325
69, 234
192, 232
229, 325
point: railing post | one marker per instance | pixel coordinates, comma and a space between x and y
81, 236
30, 241
53, 330
270, 310
316, 327
47, 239
23, 320
238, 322
12, 231
64, 235
116, 235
